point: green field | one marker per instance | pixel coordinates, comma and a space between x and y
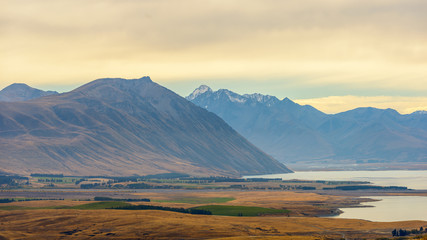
241, 210
198, 200
13, 207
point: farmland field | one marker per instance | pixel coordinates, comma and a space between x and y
237, 214
241, 210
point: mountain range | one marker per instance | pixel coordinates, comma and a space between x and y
122, 127
22, 92
305, 138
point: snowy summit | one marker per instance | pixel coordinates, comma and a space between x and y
199, 91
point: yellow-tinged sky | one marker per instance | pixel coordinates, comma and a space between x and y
332, 54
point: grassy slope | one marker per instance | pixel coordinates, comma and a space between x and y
149, 224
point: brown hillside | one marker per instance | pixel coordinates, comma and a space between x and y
123, 127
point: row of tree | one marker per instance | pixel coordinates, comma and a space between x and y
8, 200
8, 181
402, 232
181, 210
121, 199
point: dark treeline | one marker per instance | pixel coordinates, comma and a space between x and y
38, 199
8, 200
326, 182
128, 186
366, 187
402, 232
47, 175
121, 199
181, 210
11, 180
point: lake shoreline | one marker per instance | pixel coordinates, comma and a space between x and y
388, 209
412, 179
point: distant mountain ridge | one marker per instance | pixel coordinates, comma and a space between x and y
22, 92
306, 138
123, 127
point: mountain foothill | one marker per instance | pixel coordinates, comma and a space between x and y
126, 127
120, 127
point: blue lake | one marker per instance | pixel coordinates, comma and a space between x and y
389, 208
410, 179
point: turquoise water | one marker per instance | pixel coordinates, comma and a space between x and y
410, 179
390, 208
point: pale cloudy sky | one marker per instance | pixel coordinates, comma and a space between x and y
332, 54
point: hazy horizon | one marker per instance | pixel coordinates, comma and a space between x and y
330, 104
330, 54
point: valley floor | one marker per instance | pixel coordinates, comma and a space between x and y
34, 219
148, 224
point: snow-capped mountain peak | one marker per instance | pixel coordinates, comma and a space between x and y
199, 91
231, 96
262, 98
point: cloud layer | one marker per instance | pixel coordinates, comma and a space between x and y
351, 47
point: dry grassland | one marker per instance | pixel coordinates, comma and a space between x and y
149, 224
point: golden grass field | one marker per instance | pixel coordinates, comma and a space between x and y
152, 224
149, 224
